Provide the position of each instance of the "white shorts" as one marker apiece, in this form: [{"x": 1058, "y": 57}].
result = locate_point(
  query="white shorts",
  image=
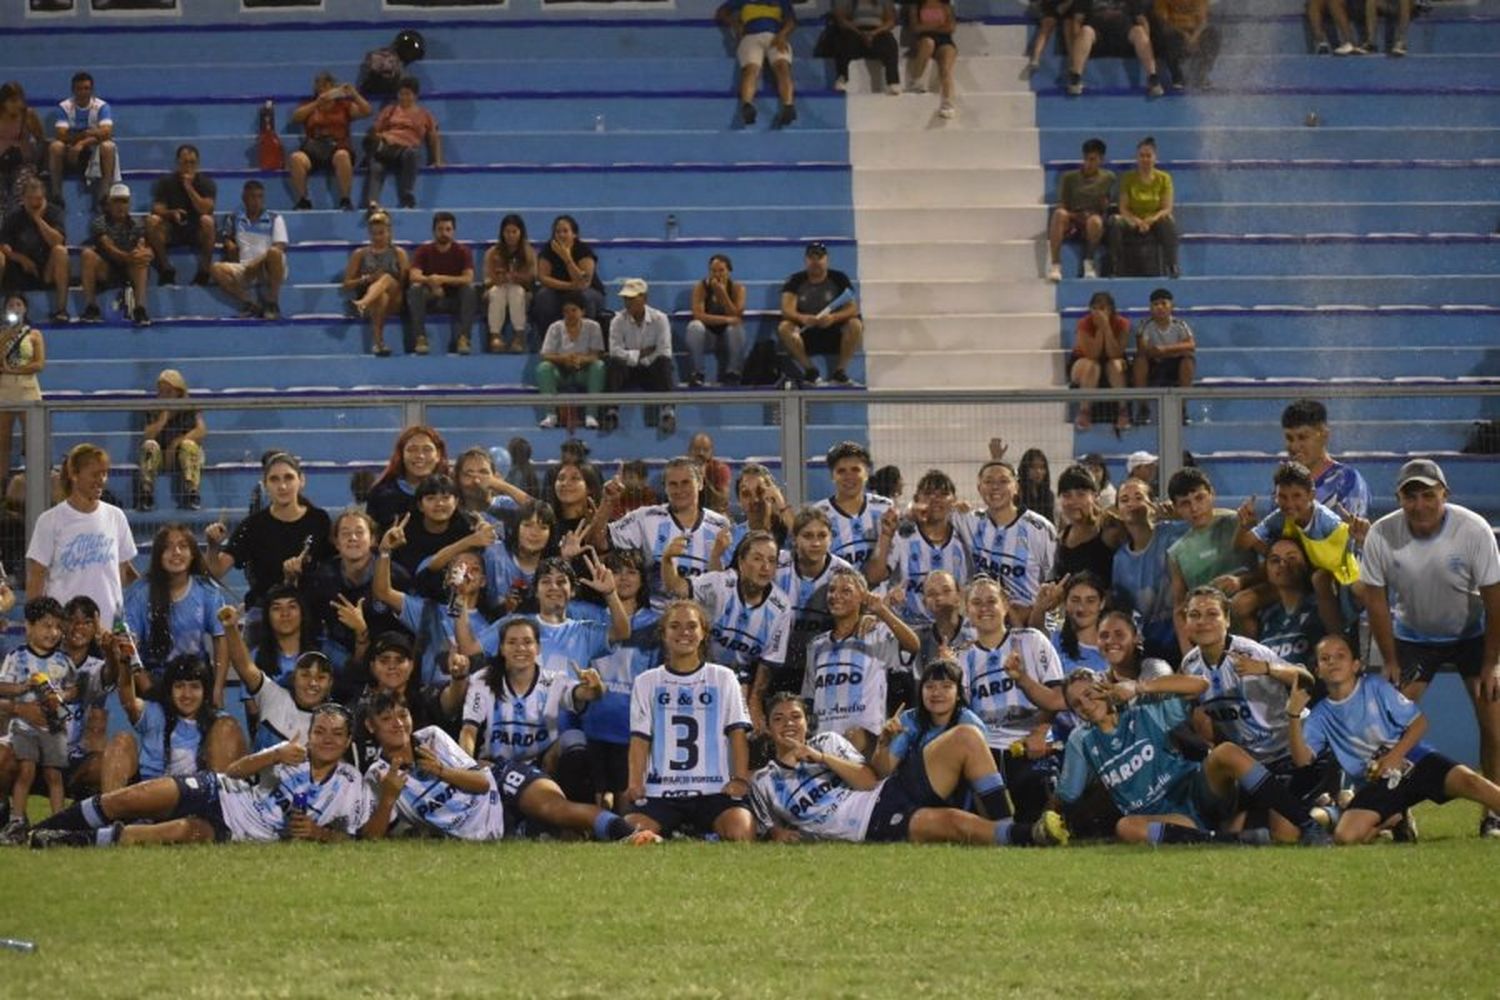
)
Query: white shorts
[
  {"x": 246, "y": 275},
  {"x": 754, "y": 49}
]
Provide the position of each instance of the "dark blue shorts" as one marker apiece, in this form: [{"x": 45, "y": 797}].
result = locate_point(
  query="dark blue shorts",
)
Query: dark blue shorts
[
  {"x": 1423, "y": 783},
  {"x": 891, "y": 818},
  {"x": 911, "y": 775},
  {"x": 1422, "y": 661},
  {"x": 198, "y": 798},
  {"x": 696, "y": 812},
  {"x": 513, "y": 780}
]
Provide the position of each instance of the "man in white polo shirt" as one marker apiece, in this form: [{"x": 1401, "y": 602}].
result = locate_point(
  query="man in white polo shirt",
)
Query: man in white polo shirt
[
  {"x": 1430, "y": 578},
  {"x": 254, "y": 254},
  {"x": 640, "y": 353}
]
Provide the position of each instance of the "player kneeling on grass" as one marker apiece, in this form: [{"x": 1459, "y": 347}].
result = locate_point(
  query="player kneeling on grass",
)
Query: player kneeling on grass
[
  {"x": 1376, "y": 735},
  {"x": 425, "y": 781},
  {"x": 297, "y": 792},
  {"x": 1164, "y": 798},
  {"x": 822, "y": 788}
]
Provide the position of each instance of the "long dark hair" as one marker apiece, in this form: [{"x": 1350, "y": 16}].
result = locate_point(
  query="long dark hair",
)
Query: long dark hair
[
  {"x": 506, "y": 257},
  {"x": 395, "y": 468},
  {"x": 1069, "y": 633},
  {"x": 1036, "y": 497},
  {"x": 944, "y": 670},
  {"x": 494, "y": 675},
  {"x": 186, "y": 668},
  {"x": 158, "y": 644},
  {"x": 267, "y": 651}
]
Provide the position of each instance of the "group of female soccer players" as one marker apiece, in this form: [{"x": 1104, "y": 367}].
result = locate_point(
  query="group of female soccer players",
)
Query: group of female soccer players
[{"x": 500, "y": 665}]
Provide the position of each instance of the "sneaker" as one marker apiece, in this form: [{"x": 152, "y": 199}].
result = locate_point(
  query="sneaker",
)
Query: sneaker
[
  {"x": 1367, "y": 49},
  {"x": 839, "y": 377},
  {"x": 419, "y": 346},
  {"x": 548, "y": 422},
  {"x": 250, "y": 310},
  {"x": 271, "y": 311},
  {"x": 667, "y": 422},
  {"x": 1398, "y": 50},
  {"x": 166, "y": 276},
  {"x": 591, "y": 422},
  {"x": 916, "y": 87},
  {"x": 785, "y": 116},
  {"x": 1031, "y": 67},
  {"x": 1346, "y": 49},
  {"x": 894, "y": 89},
  {"x": 58, "y": 317},
  {"x": 140, "y": 317},
  {"x": 1405, "y": 832},
  {"x": 41, "y": 840},
  {"x": 146, "y": 499},
  {"x": 1489, "y": 827},
  {"x": 1089, "y": 270},
  {"x": 91, "y": 314},
  {"x": 696, "y": 380},
  {"x": 14, "y": 832},
  {"x": 810, "y": 376},
  {"x": 1054, "y": 273},
  {"x": 1315, "y": 836},
  {"x": 462, "y": 347},
  {"x": 642, "y": 838},
  {"x": 841, "y": 85},
  {"x": 1050, "y": 830},
  {"x": 1322, "y": 49},
  {"x": 345, "y": 205},
  {"x": 747, "y": 113},
  {"x": 192, "y": 499},
  {"x": 1153, "y": 86},
  {"x": 303, "y": 204},
  {"x": 201, "y": 278},
  {"x": 1075, "y": 84},
  {"x": 946, "y": 110}
]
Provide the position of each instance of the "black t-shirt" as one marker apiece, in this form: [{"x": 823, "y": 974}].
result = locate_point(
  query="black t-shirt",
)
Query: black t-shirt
[
  {"x": 20, "y": 233},
  {"x": 179, "y": 422},
  {"x": 1093, "y": 555},
  {"x": 812, "y": 297},
  {"x": 169, "y": 191},
  {"x": 421, "y": 543},
  {"x": 581, "y": 252},
  {"x": 262, "y": 543},
  {"x": 388, "y": 501},
  {"x": 326, "y": 581}
]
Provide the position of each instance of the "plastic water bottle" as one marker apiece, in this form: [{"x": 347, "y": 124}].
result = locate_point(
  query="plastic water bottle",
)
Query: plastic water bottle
[
  {"x": 1312, "y": 120},
  {"x": 598, "y": 123},
  {"x": 16, "y": 944},
  {"x": 672, "y": 226}
]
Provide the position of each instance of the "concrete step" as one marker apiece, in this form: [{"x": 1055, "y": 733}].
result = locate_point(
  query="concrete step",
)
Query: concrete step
[
  {"x": 997, "y": 74},
  {"x": 958, "y": 188},
  {"x": 972, "y": 261},
  {"x": 1019, "y": 147},
  {"x": 955, "y": 298},
  {"x": 977, "y": 111},
  {"x": 964, "y": 369},
  {"x": 1014, "y": 222},
  {"x": 1006, "y": 331}
]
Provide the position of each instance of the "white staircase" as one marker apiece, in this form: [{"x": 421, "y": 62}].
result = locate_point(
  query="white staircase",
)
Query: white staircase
[{"x": 950, "y": 219}]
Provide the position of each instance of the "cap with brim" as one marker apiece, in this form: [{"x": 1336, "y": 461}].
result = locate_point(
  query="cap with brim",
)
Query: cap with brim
[
  {"x": 1161, "y": 293},
  {"x": 816, "y": 249},
  {"x": 314, "y": 660},
  {"x": 387, "y": 641},
  {"x": 1138, "y": 459},
  {"x": 633, "y": 288},
  {"x": 1421, "y": 470},
  {"x": 119, "y": 191}
]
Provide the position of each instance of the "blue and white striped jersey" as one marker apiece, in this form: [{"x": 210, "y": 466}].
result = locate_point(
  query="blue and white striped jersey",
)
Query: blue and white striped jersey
[
  {"x": 23, "y": 663},
  {"x": 809, "y": 597},
  {"x": 743, "y": 635},
  {"x": 436, "y": 805},
  {"x": 997, "y": 699},
  {"x": 1249, "y": 711},
  {"x": 854, "y": 536},
  {"x": 517, "y": 726},
  {"x": 687, "y": 718},
  {"x": 651, "y": 528},
  {"x": 1019, "y": 554},
  {"x": 913, "y": 556},
  {"x": 812, "y": 798},
  {"x": 845, "y": 680},
  {"x": 608, "y": 719},
  {"x": 259, "y": 810}
]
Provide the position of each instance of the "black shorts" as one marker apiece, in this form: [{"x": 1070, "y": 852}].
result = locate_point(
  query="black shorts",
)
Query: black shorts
[
  {"x": 938, "y": 40},
  {"x": 1166, "y": 372},
  {"x": 513, "y": 780},
  {"x": 16, "y": 280},
  {"x": 609, "y": 767},
  {"x": 911, "y": 775},
  {"x": 1307, "y": 784},
  {"x": 1112, "y": 35},
  {"x": 198, "y": 798},
  {"x": 816, "y": 340},
  {"x": 1422, "y": 661},
  {"x": 695, "y": 812},
  {"x": 320, "y": 150},
  {"x": 184, "y": 235},
  {"x": 891, "y": 817},
  {"x": 1423, "y": 783}
]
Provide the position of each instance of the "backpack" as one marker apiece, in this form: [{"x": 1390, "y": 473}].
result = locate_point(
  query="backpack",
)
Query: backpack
[
  {"x": 1484, "y": 438},
  {"x": 765, "y": 365},
  {"x": 380, "y": 73}
]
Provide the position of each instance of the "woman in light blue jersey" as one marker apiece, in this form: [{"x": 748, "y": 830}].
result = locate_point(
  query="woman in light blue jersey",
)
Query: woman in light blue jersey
[{"x": 175, "y": 733}]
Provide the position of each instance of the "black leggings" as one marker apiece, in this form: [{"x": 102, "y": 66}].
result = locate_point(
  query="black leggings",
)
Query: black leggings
[{"x": 851, "y": 45}]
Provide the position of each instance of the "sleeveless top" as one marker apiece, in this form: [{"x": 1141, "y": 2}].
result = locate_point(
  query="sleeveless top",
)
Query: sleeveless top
[{"x": 380, "y": 262}]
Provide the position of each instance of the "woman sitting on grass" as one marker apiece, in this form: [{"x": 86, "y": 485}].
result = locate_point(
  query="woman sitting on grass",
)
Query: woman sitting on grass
[{"x": 176, "y": 733}]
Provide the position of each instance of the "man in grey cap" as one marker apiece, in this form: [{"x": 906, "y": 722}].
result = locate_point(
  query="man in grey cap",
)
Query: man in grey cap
[
  {"x": 640, "y": 353},
  {"x": 1430, "y": 579},
  {"x": 117, "y": 254}
]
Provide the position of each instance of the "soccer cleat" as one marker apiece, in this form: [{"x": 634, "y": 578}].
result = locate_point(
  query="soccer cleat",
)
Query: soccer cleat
[
  {"x": 642, "y": 838},
  {"x": 1489, "y": 827},
  {"x": 1050, "y": 830},
  {"x": 42, "y": 839},
  {"x": 1315, "y": 836},
  {"x": 91, "y": 314},
  {"x": 548, "y": 422},
  {"x": 1054, "y": 273}
]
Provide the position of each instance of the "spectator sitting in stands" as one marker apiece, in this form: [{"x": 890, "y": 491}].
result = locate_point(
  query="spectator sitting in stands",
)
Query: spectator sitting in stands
[
  {"x": 572, "y": 357},
  {"x": 566, "y": 264},
  {"x": 763, "y": 29},
  {"x": 395, "y": 142},
  {"x": 1095, "y": 463},
  {"x": 866, "y": 29},
  {"x": 1083, "y": 198},
  {"x": 509, "y": 274},
  {"x": 1340, "y": 13},
  {"x": 117, "y": 257},
  {"x": 1142, "y": 465},
  {"x": 1145, "y": 217},
  {"x": 34, "y": 249},
  {"x": 1180, "y": 30},
  {"x": 640, "y": 353},
  {"x": 809, "y": 327},
  {"x": 376, "y": 277},
  {"x": 182, "y": 214},
  {"x": 254, "y": 253},
  {"x": 1165, "y": 351},
  {"x": 21, "y": 141},
  {"x": 442, "y": 280},
  {"x": 419, "y": 451},
  {"x": 173, "y": 438},
  {"x": 1117, "y": 27},
  {"x": 931, "y": 24},
  {"x": 1099, "y": 342},
  {"x": 325, "y": 143},
  {"x": 84, "y": 140},
  {"x": 23, "y": 354},
  {"x": 887, "y": 481},
  {"x": 1050, "y": 13},
  {"x": 1402, "y": 12},
  {"x": 718, "y": 308}
]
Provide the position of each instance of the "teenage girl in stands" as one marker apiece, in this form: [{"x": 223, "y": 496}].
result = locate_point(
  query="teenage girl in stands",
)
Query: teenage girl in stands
[
  {"x": 174, "y": 610},
  {"x": 376, "y": 280},
  {"x": 509, "y": 274},
  {"x": 419, "y": 452},
  {"x": 931, "y": 24}
]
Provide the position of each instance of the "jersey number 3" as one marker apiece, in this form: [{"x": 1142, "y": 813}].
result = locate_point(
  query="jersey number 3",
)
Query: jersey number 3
[{"x": 686, "y": 739}]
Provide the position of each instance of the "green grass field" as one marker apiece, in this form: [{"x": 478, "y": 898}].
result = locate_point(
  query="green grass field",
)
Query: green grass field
[{"x": 710, "y": 920}]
